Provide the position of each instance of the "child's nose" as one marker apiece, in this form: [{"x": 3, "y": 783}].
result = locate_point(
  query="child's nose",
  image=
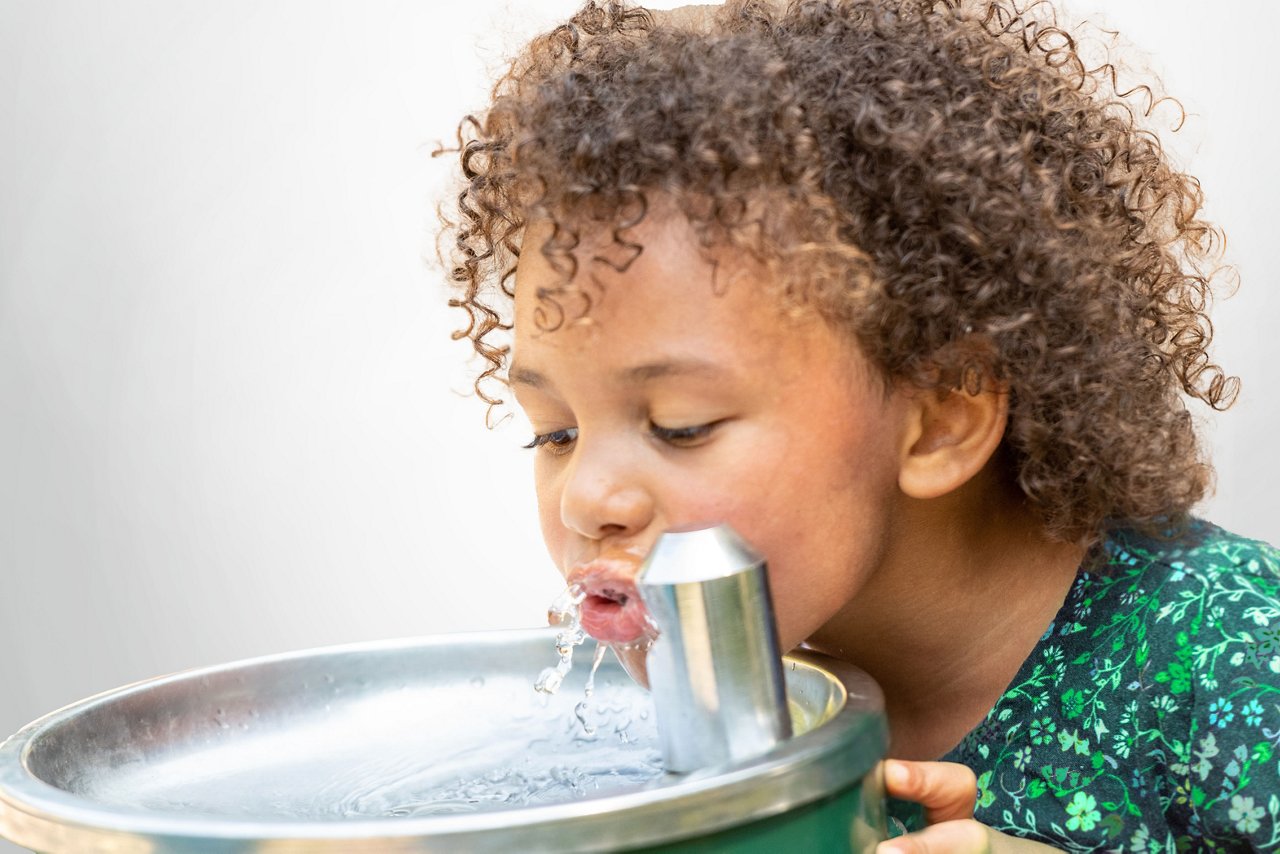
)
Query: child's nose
[{"x": 602, "y": 497}]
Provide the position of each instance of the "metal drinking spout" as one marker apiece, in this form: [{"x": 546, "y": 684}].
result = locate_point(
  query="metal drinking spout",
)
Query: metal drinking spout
[{"x": 715, "y": 671}]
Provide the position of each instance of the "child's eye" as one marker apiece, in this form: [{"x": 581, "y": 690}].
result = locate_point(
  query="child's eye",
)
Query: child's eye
[
  {"x": 683, "y": 437},
  {"x": 557, "y": 441}
]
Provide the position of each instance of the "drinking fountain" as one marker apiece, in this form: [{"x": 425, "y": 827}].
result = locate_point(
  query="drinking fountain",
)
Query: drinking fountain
[{"x": 441, "y": 744}]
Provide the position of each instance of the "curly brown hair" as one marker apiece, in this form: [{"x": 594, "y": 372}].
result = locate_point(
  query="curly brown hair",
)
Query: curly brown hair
[{"x": 947, "y": 181}]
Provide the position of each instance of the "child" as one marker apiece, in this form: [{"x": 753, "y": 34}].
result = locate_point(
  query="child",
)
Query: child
[{"x": 902, "y": 291}]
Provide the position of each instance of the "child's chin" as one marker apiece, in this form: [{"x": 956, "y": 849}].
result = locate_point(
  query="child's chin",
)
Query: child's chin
[{"x": 633, "y": 661}]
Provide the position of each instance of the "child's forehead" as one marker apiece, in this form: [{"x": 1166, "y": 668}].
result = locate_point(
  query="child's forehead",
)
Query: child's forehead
[
  {"x": 595, "y": 225},
  {"x": 585, "y": 254},
  {"x": 560, "y": 257},
  {"x": 571, "y": 270},
  {"x": 672, "y": 304},
  {"x": 675, "y": 297}
]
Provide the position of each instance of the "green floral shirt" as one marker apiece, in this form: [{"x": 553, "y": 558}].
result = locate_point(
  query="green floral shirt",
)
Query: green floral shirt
[{"x": 1148, "y": 716}]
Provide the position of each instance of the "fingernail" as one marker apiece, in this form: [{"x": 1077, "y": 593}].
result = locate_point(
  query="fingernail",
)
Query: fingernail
[{"x": 895, "y": 774}]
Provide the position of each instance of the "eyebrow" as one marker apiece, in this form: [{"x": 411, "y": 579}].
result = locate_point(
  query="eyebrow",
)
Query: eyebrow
[
  {"x": 517, "y": 375},
  {"x": 673, "y": 367},
  {"x": 642, "y": 373}
]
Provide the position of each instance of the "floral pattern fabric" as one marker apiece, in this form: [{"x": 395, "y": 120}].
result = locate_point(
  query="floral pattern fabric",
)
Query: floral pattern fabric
[{"x": 1148, "y": 716}]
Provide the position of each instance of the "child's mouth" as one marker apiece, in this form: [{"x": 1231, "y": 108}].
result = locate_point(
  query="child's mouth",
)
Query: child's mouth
[
  {"x": 612, "y": 610},
  {"x": 610, "y": 616}
]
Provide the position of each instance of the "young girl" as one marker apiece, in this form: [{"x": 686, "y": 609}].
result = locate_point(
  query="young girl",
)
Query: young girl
[{"x": 903, "y": 292}]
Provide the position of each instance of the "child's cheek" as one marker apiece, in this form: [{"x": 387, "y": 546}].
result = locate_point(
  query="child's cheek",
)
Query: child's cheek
[{"x": 554, "y": 533}]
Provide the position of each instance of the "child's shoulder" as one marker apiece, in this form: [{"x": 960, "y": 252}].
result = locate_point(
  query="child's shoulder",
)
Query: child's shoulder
[
  {"x": 1204, "y": 553},
  {"x": 1148, "y": 712},
  {"x": 1204, "y": 578},
  {"x": 1177, "y": 588}
]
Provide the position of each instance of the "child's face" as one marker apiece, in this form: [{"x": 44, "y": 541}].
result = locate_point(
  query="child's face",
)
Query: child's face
[{"x": 670, "y": 405}]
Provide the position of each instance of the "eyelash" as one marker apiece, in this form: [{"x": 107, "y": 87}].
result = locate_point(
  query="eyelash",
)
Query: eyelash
[
  {"x": 561, "y": 441},
  {"x": 551, "y": 443},
  {"x": 678, "y": 436}
]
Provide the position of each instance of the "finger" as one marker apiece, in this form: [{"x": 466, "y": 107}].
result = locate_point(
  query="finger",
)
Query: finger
[
  {"x": 964, "y": 836},
  {"x": 946, "y": 790}
]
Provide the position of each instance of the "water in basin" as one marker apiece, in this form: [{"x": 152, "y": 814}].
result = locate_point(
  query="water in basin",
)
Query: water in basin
[{"x": 423, "y": 747}]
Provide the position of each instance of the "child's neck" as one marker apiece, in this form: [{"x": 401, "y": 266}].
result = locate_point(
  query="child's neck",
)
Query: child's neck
[{"x": 951, "y": 614}]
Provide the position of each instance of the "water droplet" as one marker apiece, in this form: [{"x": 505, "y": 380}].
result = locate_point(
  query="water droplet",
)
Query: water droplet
[
  {"x": 549, "y": 680},
  {"x": 566, "y": 613}
]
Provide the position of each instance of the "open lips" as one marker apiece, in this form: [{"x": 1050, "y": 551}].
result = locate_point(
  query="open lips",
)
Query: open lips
[{"x": 612, "y": 610}]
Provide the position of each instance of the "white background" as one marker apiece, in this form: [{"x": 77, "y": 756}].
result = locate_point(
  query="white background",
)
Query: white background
[{"x": 231, "y": 418}]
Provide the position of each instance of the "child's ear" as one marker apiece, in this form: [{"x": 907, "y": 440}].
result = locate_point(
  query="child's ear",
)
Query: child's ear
[{"x": 950, "y": 436}]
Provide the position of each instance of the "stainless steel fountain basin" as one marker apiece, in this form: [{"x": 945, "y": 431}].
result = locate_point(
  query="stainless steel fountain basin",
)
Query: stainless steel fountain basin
[{"x": 424, "y": 745}]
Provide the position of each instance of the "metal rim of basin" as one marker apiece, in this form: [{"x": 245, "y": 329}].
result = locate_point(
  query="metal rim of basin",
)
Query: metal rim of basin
[{"x": 835, "y": 755}]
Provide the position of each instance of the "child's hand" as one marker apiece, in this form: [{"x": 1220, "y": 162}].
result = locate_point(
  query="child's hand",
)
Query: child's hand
[{"x": 947, "y": 791}]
